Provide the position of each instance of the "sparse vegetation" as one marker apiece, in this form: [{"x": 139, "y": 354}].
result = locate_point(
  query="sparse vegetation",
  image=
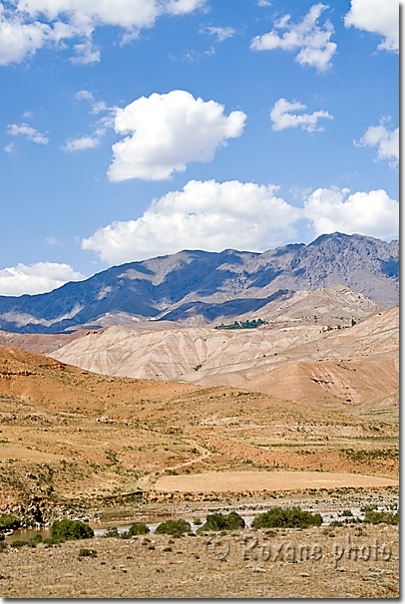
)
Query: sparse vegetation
[{"x": 243, "y": 324}]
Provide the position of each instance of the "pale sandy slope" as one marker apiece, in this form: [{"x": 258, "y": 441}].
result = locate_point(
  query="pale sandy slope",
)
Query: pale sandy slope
[{"x": 288, "y": 359}]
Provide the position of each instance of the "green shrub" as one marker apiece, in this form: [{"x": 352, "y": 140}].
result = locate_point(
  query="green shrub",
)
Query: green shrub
[
  {"x": 219, "y": 522},
  {"x": 347, "y": 513},
  {"x": 112, "y": 532},
  {"x": 294, "y": 517},
  {"x": 63, "y": 530},
  {"x": 373, "y": 517},
  {"x": 138, "y": 528},
  {"x": 8, "y": 523},
  {"x": 335, "y": 523},
  {"x": 84, "y": 552},
  {"x": 3, "y": 546},
  {"x": 197, "y": 521},
  {"x": 35, "y": 539},
  {"x": 177, "y": 528}
]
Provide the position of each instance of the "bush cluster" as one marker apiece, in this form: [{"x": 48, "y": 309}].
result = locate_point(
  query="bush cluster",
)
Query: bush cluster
[
  {"x": 8, "y": 523},
  {"x": 176, "y": 528},
  {"x": 373, "y": 517},
  {"x": 64, "y": 530},
  {"x": 137, "y": 528},
  {"x": 220, "y": 522},
  {"x": 293, "y": 517}
]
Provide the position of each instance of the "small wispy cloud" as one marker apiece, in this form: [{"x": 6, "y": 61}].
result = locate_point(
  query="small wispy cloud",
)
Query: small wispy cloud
[
  {"x": 221, "y": 33},
  {"x": 283, "y": 117},
  {"x": 28, "y": 132},
  {"x": 90, "y": 141}
]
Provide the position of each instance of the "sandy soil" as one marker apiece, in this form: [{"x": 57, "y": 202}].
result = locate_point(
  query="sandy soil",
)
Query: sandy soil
[{"x": 221, "y": 482}]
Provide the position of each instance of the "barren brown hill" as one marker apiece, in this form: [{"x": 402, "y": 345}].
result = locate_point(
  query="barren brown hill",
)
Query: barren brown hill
[
  {"x": 74, "y": 438},
  {"x": 294, "y": 356}
]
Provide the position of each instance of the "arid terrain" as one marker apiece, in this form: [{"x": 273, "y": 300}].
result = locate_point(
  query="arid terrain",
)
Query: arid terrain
[
  {"x": 289, "y": 412},
  {"x": 230, "y": 566}
]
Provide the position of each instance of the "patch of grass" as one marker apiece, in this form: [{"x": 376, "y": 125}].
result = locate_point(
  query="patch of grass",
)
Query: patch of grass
[
  {"x": 294, "y": 517},
  {"x": 220, "y": 522},
  {"x": 176, "y": 528},
  {"x": 18, "y": 543},
  {"x": 87, "y": 553}
]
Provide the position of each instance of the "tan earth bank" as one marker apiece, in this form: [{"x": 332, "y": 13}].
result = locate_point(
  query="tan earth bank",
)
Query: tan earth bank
[{"x": 316, "y": 421}]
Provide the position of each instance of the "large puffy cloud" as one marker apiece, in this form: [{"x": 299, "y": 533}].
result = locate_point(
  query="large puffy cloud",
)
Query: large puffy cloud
[
  {"x": 36, "y": 278},
  {"x": 374, "y": 213},
  {"x": 283, "y": 117},
  {"x": 204, "y": 215},
  {"x": 167, "y": 131},
  {"x": 311, "y": 39},
  {"x": 19, "y": 39},
  {"x": 27, "y": 25},
  {"x": 379, "y": 17},
  {"x": 386, "y": 141}
]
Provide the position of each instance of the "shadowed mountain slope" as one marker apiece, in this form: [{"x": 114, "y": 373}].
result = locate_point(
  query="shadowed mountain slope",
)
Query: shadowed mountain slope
[{"x": 206, "y": 285}]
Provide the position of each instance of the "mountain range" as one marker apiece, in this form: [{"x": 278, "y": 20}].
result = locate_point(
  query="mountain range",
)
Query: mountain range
[{"x": 195, "y": 287}]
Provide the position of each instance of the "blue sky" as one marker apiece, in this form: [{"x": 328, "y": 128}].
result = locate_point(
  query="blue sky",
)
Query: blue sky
[{"x": 136, "y": 128}]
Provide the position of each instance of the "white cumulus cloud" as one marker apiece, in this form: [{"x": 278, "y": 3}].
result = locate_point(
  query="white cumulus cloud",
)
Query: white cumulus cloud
[
  {"x": 36, "y": 279},
  {"x": 374, "y": 213},
  {"x": 165, "y": 132},
  {"x": 28, "y": 132},
  {"x": 307, "y": 36},
  {"x": 204, "y": 215},
  {"x": 379, "y": 17},
  {"x": 386, "y": 141},
  {"x": 27, "y": 25},
  {"x": 19, "y": 39},
  {"x": 283, "y": 117}
]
